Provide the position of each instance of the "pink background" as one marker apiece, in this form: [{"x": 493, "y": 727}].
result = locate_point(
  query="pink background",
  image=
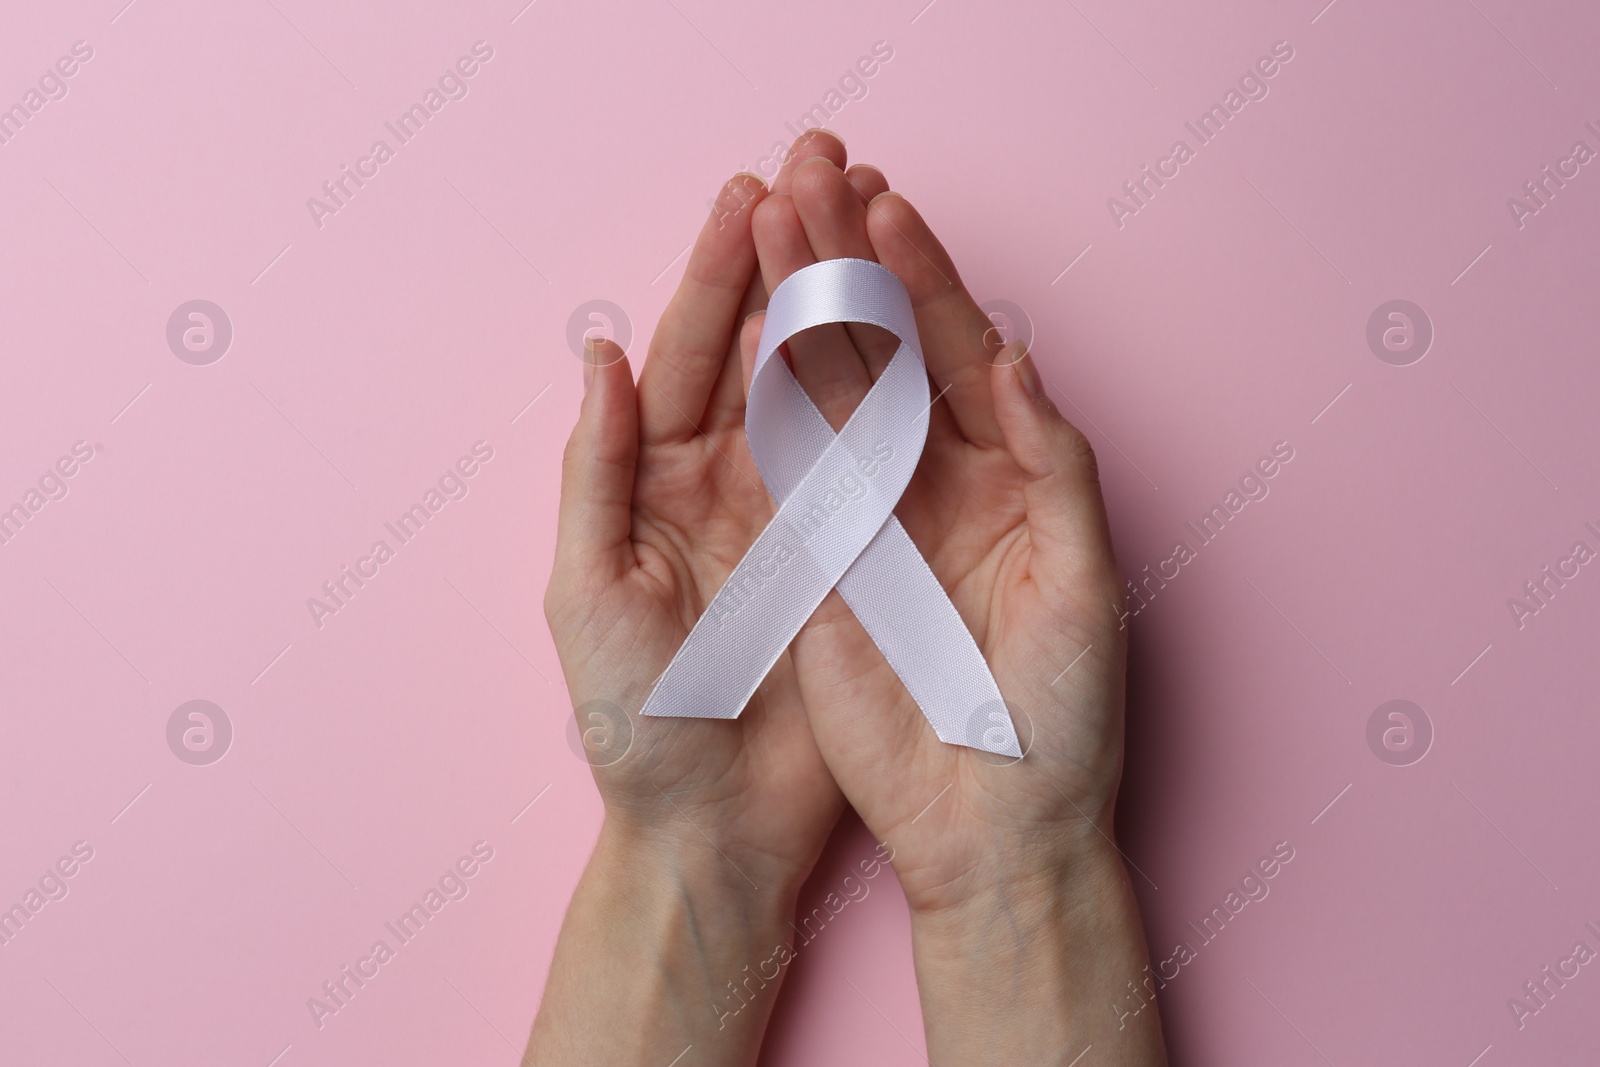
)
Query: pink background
[{"x": 368, "y": 354}]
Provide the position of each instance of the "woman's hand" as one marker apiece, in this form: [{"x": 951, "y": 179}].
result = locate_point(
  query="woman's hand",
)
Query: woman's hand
[
  {"x": 1005, "y": 506},
  {"x": 1009, "y": 866},
  {"x": 659, "y": 500},
  {"x": 673, "y": 937}
]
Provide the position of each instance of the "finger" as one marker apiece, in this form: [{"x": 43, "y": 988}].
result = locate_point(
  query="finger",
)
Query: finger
[
  {"x": 595, "y": 524},
  {"x": 958, "y": 339},
  {"x": 1069, "y": 537},
  {"x": 867, "y": 180},
  {"x": 835, "y": 220},
  {"x": 823, "y": 359},
  {"x": 726, "y": 406},
  {"x": 749, "y": 339},
  {"x": 693, "y": 340},
  {"x": 806, "y": 147}
]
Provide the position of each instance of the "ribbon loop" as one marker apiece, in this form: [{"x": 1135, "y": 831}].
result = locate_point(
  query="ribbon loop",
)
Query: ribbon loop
[{"x": 835, "y": 528}]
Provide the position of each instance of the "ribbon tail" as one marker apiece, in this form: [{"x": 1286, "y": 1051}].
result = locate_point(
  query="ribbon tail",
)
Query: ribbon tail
[{"x": 911, "y": 619}]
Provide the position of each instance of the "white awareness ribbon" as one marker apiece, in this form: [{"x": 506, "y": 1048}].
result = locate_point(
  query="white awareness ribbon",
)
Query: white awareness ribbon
[{"x": 835, "y": 529}]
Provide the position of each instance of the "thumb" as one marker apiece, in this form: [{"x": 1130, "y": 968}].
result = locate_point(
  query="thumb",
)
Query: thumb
[
  {"x": 1068, "y": 533},
  {"x": 596, "y": 517}
]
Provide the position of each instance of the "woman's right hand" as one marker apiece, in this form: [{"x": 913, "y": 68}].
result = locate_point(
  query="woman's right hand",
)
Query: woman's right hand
[
  {"x": 678, "y": 927},
  {"x": 659, "y": 500}
]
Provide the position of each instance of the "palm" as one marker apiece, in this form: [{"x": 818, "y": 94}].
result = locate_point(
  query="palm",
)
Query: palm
[{"x": 698, "y": 505}]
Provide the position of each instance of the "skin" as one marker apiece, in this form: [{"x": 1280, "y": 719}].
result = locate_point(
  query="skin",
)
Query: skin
[{"x": 1024, "y": 925}]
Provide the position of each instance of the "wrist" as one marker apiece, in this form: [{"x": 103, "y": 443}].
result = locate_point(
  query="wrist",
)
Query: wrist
[
  {"x": 1057, "y": 887},
  {"x": 1035, "y": 968},
  {"x": 1032, "y": 864},
  {"x": 716, "y": 915},
  {"x": 707, "y": 869},
  {"x": 670, "y": 938}
]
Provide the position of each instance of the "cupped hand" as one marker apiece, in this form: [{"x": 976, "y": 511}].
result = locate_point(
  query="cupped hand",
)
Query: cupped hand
[
  {"x": 1006, "y": 508},
  {"x": 660, "y": 498}
]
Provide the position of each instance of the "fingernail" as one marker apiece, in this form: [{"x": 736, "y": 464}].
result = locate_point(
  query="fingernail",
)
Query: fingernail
[
  {"x": 742, "y": 188},
  {"x": 736, "y": 193},
  {"x": 1027, "y": 373},
  {"x": 816, "y": 131}
]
